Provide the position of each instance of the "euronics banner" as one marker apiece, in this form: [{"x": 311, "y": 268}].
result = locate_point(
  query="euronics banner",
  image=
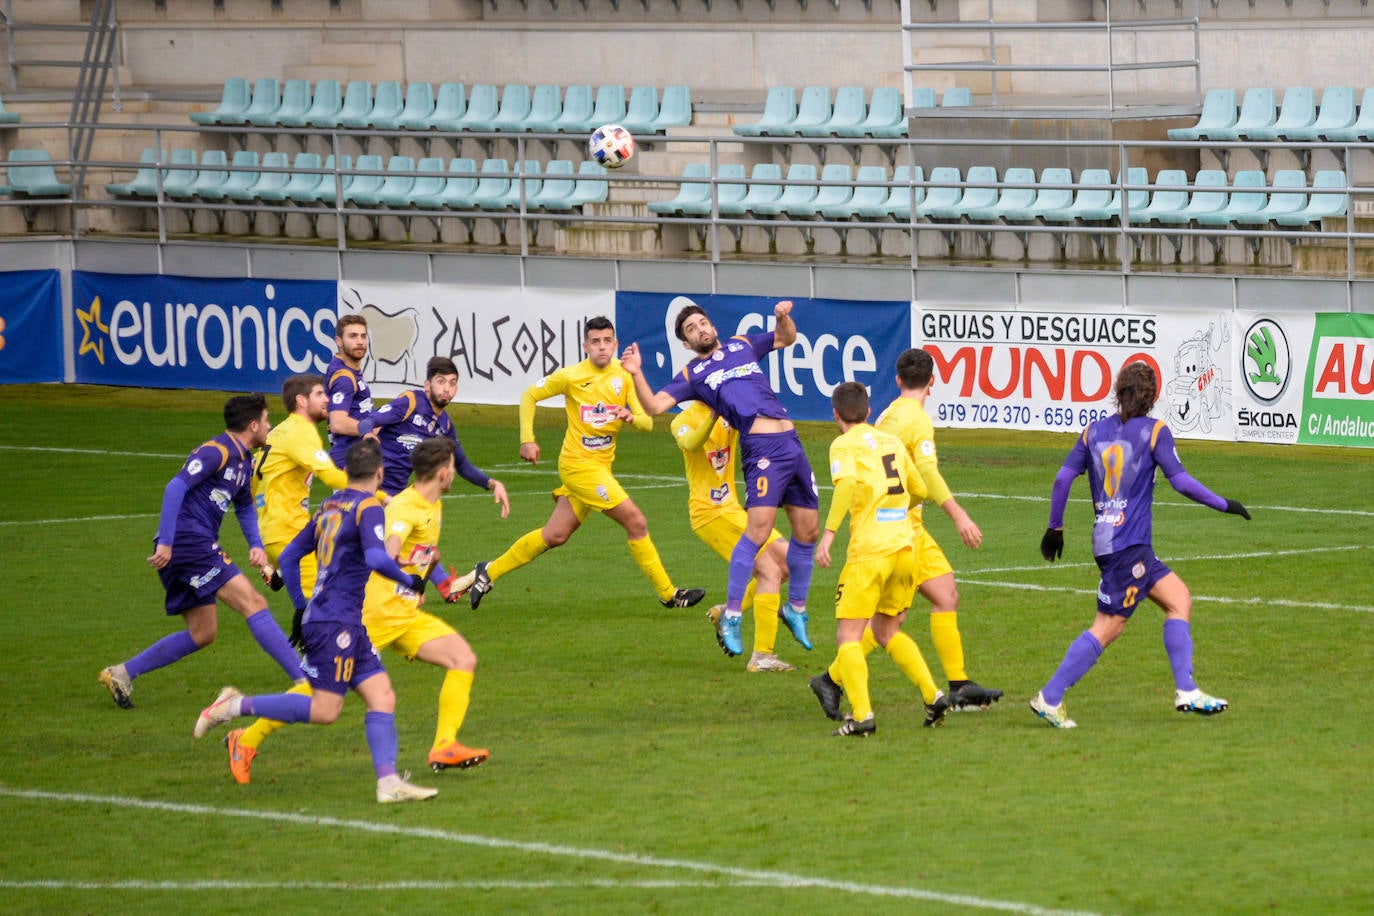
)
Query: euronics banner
[
  {"x": 837, "y": 341},
  {"x": 31, "y": 326},
  {"x": 503, "y": 339},
  {"x": 184, "y": 332}
]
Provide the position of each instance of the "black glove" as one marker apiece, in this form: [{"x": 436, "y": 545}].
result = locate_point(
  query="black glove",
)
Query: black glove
[
  {"x": 1052, "y": 544},
  {"x": 275, "y": 583},
  {"x": 297, "y": 641},
  {"x": 1235, "y": 508},
  {"x": 417, "y": 584}
]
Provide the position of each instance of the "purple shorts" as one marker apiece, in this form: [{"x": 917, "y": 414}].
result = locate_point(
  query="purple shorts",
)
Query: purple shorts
[
  {"x": 338, "y": 656},
  {"x": 777, "y": 472},
  {"x": 1127, "y": 578},
  {"x": 192, "y": 581}
]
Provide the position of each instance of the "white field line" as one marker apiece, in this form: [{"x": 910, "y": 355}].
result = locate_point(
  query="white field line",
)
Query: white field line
[
  {"x": 1257, "y": 554},
  {"x": 476, "y": 885},
  {"x": 549, "y": 850},
  {"x": 1210, "y": 599},
  {"x": 1174, "y": 504}
]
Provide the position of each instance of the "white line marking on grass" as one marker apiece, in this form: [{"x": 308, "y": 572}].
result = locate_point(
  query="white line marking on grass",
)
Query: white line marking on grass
[
  {"x": 1257, "y": 554},
  {"x": 88, "y": 451},
  {"x": 770, "y": 878},
  {"x": 82, "y": 520},
  {"x": 1214, "y": 599},
  {"x": 208, "y": 885},
  {"x": 1175, "y": 504}
]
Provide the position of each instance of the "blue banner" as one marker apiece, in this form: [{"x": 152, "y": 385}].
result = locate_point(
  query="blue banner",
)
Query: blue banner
[
  {"x": 838, "y": 341},
  {"x": 188, "y": 332},
  {"x": 31, "y": 326}
]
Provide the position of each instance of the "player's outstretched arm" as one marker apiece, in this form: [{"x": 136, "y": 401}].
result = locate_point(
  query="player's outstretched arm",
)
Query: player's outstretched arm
[
  {"x": 784, "y": 328},
  {"x": 654, "y": 403}
]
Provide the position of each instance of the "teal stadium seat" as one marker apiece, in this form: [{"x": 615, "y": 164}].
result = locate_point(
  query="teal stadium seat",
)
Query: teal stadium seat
[
  {"x": 847, "y": 113},
  {"x": 836, "y": 191},
  {"x": 1256, "y": 112},
  {"x": 325, "y": 104},
  {"x": 1170, "y": 195},
  {"x": 271, "y": 186},
  {"x": 576, "y": 116},
  {"x": 730, "y": 190},
  {"x": 357, "y": 104},
  {"x": 367, "y": 190},
  {"x": 144, "y": 181},
  {"x": 675, "y": 109},
  {"x": 907, "y": 191},
  {"x": 1362, "y": 129},
  {"x": 970, "y": 199},
  {"x": 1298, "y": 112},
  {"x": 1012, "y": 204},
  {"x": 334, "y": 187},
  {"x": 865, "y": 200},
  {"x": 367, "y": 184},
  {"x": 557, "y": 189},
  {"x": 920, "y": 98},
  {"x": 1319, "y": 205},
  {"x": 425, "y": 185},
  {"x": 213, "y": 172},
  {"x": 1091, "y": 203},
  {"x": 36, "y": 178},
  {"x": 689, "y": 191},
  {"x": 1203, "y": 200},
  {"x": 1240, "y": 203},
  {"x": 484, "y": 103},
  {"x": 812, "y": 111},
  {"x": 242, "y": 173},
  {"x": 779, "y": 109},
  {"x": 303, "y": 184},
  {"x": 757, "y": 193},
  {"x": 1218, "y": 112},
  {"x": 182, "y": 177},
  {"x": 885, "y": 118},
  {"x": 1136, "y": 200},
  {"x": 592, "y": 186},
  {"x": 458, "y": 190},
  {"x": 1288, "y": 195},
  {"x": 514, "y": 109},
  {"x": 956, "y": 97},
  {"x": 234, "y": 100},
  {"x": 609, "y": 107},
  {"x": 528, "y": 183},
  {"x": 387, "y": 104},
  {"x": 450, "y": 104},
  {"x": 1048, "y": 198},
  {"x": 418, "y": 108},
  {"x": 6, "y": 116},
  {"x": 797, "y": 191},
  {"x": 545, "y": 107},
  {"x": 239, "y": 186},
  {"x": 295, "y": 102},
  {"x": 1337, "y": 112},
  {"x": 943, "y": 194},
  {"x": 263, "y": 108},
  {"x": 398, "y": 189},
  {"x": 641, "y": 110},
  {"x": 494, "y": 182}
]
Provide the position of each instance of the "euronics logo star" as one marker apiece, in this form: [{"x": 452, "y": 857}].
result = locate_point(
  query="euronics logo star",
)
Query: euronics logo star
[{"x": 87, "y": 319}]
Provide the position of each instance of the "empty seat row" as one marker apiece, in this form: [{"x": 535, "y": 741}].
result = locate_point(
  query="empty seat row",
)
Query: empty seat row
[
  {"x": 1298, "y": 119},
  {"x": 545, "y": 109},
  {"x": 1054, "y": 198},
  {"x": 881, "y": 117},
  {"x": 427, "y": 184}
]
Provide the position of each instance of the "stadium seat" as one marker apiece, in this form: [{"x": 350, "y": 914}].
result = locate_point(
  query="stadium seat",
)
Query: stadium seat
[
  {"x": 795, "y": 192},
  {"x": 304, "y": 185},
  {"x": 1169, "y": 197},
  {"x": 1288, "y": 195},
  {"x": 1337, "y": 111},
  {"x": 867, "y": 199},
  {"x": 1298, "y": 112},
  {"x": 957, "y": 97},
  {"x": 943, "y": 194},
  {"x": 592, "y": 187},
  {"x": 351, "y": 178},
  {"x": 213, "y": 172},
  {"x": 450, "y": 103},
  {"x": 387, "y": 105},
  {"x": 1136, "y": 200},
  {"x": 295, "y": 102},
  {"x": 920, "y": 97},
  {"x": 1256, "y": 112},
  {"x": 837, "y": 192},
  {"x": 546, "y": 105},
  {"x": 1218, "y": 112},
  {"x": 576, "y": 116},
  {"x": 907, "y": 191},
  {"x": 1319, "y": 205},
  {"x": 847, "y": 114},
  {"x": 234, "y": 100},
  {"x": 483, "y": 104},
  {"x": 1240, "y": 203},
  {"x": 398, "y": 189},
  {"x": 425, "y": 185},
  {"x": 458, "y": 190},
  {"x": 1091, "y": 203},
  {"x": 332, "y": 184},
  {"x": 609, "y": 107},
  {"x": 675, "y": 109},
  {"x": 556, "y": 192},
  {"x": 144, "y": 182},
  {"x": 885, "y": 118},
  {"x": 357, "y": 106},
  {"x": 1203, "y": 200},
  {"x": 241, "y": 185},
  {"x": 1047, "y": 198},
  {"x": 325, "y": 105},
  {"x": 418, "y": 108},
  {"x": 175, "y": 181},
  {"x": 37, "y": 178},
  {"x": 264, "y": 106},
  {"x": 494, "y": 182},
  {"x": 367, "y": 190},
  {"x": 970, "y": 198},
  {"x": 527, "y": 184},
  {"x": 730, "y": 190},
  {"x": 1363, "y": 126},
  {"x": 271, "y": 186},
  {"x": 243, "y": 172},
  {"x": 1012, "y": 204},
  {"x": 6, "y": 116},
  {"x": 511, "y": 115},
  {"x": 757, "y": 193},
  {"x": 688, "y": 192},
  {"x": 779, "y": 109},
  {"x": 641, "y": 110},
  {"x": 812, "y": 111}
]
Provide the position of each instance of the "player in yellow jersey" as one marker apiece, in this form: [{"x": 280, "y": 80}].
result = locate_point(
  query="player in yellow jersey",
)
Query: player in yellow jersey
[
  {"x": 392, "y": 615},
  {"x": 875, "y": 485},
  {"x": 710, "y": 454},
  {"x": 906, "y": 418},
  {"x": 288, "y": 463},
  {"x": 599, "y": 397}
]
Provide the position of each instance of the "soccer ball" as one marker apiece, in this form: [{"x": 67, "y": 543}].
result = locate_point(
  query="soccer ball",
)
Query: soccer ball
[{"x": 611, "y": 145}]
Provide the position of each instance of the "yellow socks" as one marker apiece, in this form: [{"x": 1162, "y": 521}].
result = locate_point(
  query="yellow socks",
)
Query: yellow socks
[
  {"x": 646, "y": 558},
  {"x": 254, "y": 734},
  {"x": 765, "y": 621},
  {"x": 944, "y": 633},
  {"x": 523, "y": 551},
  {"x": 453, "y": 706},
  {"x": 869, "y": 642},
  {"x": 903, "y": 650},
  {"x": 854, "y": 670}
]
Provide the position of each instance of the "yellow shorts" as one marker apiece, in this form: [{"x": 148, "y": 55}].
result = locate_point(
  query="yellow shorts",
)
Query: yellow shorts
[
  {"x": 309, "y": 569},
  {"x": 723, "y": 532},
  {"x": 884, "y": 585},
  {"x": 931, "y": 562},
  {"x": 405, "y": 635},
  {"x": 592, "y": 489}
]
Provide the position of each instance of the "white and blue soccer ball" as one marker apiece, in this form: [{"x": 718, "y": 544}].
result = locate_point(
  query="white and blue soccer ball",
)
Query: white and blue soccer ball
[{"x": 611, "y": 145}]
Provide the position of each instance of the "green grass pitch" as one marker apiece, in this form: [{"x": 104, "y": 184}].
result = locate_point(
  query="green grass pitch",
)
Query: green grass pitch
[{"x": 636, "y": 769}]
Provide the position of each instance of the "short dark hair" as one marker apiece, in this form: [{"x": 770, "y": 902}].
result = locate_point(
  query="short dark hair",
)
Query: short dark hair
[
  {"x": 599, "y": 323},
  {"x": 346, "y": 320},
  {"x": 242, "y": 409},
  {"x": 296, "y": 386},
  {"x": 915, "y": 368},
  {"x": 430, "y": 456},
  {"x": 362, "y": 459},
  {"x": 1137, "y": 387},
  {"x": 439, "y": 365},
  {"x": 687, "y": 312},
  {"x": 850, "y": 400}
]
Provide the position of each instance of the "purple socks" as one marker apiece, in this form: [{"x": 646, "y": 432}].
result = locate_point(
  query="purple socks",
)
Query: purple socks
[
  {"x": 1082, "y": 655},
  {"x": 800, "y": 562},
  {"x": 281, "y": 707},
  {"x": 381, "y": 740},
  {"x": 160, "y": 654},
  {"x": 741, "y": 571},
  {"x": 1178, "y": 642},
  {"x": 268, "y": 633}
]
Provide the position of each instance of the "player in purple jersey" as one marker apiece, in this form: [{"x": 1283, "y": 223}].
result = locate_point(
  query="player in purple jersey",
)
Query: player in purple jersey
[
  {"x": 418, "y": 415},
  {"x": 349, "y": 397},
  {"x": 727, "y": 377},
  {"x": 1120, "y": 454},
  {"x": 194, "y": 571},
  {"x": 348, "y": 538}
]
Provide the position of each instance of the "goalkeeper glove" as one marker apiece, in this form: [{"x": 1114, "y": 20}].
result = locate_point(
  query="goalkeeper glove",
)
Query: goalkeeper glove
[
  {"x": 1235, "y": 508},
  {"x": 1052, "y": 544},
  {"x": 296, "y": 639},
  {"x": 449, "y": 589},
  {"x": 274, "y": 582},
  {"x": 417, "y": 584}
]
